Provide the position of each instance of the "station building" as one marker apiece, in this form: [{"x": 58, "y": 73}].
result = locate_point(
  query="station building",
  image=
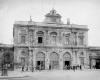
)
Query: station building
[{"x": 53, "y": 44}]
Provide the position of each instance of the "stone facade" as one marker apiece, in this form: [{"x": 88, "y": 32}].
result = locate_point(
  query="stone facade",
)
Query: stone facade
[{"x": 51, "y": 44}]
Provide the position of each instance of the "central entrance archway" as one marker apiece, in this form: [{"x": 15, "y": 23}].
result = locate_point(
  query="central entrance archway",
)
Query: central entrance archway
[
  {"x": 66, "y": 60},
  {"x": 54, "y": 61},
  {"x": 40, "y": 61}
]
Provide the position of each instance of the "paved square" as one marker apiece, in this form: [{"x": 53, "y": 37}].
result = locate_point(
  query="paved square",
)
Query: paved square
[{"x": 62, "y": 75}]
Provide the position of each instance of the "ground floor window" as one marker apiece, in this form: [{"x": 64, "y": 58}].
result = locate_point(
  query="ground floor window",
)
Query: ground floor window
[{"x": 81, "y": 60}]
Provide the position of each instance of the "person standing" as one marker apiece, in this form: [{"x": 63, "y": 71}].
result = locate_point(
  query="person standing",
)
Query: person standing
[{"x": 22, "y": 68}]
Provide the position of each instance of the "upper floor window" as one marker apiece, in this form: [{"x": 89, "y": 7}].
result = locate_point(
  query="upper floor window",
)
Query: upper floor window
[
  {"x": 40, "y": 40},
  {"x": 81, "y": 53},
  {"x": 81, "y": 38},
  {"x": 31, "y": 32},
  {"x": 40, "y": 35},
  {"x": 67, "y": 38},
  {"x": 23, "y": 31},
  {"x": 74, "y": 38},
  {"x": 53, "y": 36},
  {"x": 24, "y": 53},
  {"x": 23, "y": 39},
  {"x": 31, "y": 36}
]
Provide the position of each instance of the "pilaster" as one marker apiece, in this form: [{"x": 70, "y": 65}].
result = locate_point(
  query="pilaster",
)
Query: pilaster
[
  {"x": 47, "y": 61},
  {"x": 60, "y": 62}
]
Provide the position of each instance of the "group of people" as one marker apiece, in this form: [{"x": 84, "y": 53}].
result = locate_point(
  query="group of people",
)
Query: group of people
[
  {"x": 68, "y": 67},
  {"x": 24, "y": 68},
  {"x": 32, "y": 68}
]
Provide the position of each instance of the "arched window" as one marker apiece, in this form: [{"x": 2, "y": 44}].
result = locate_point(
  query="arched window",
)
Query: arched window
[
  {"x": 40, "y": 33},
  {"x": 40, "y": 56},
  {"x": 7, "y": 57},
  {"x": 24, "y": 53},
  {"x": 53, "y": 36},
  {"x": 54, "y": 57},
  {"x": 67, "y": 56},
  {"x": 23, "y": 38},
  {"x": 23, "y": 31}
]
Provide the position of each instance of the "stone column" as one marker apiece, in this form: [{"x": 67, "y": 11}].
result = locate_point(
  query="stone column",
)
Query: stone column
[
  {"x": 47, "y": 61},
  {"x": 34, "y": 59},
  {"x": 93, "y": 62},
  {"x": 74, "y": 58},
  {"x": 78, "y": 60},
  {"x": 60, "y": 62},
  {"x": 30, "y": 58},
  {"x": 85, "y": 60},
  {"x": 77, "y": 39},
  {"x": 47, "y": 38}
]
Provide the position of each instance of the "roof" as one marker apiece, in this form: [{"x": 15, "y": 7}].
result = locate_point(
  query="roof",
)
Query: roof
[
  {"x": 94, "y": 48},
  {"x": 6, "y": 45},
  {"x": 23, "y": 23},
  {"x": 52, "y": 22}
]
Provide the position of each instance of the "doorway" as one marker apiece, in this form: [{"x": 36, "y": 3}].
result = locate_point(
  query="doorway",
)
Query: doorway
[
  {"x": 97, "y": 66},
  {"x": 54, "y": 60},
  {"x": 40, "y": 65},
  {"x": 66, "y": 60},
  {"x": 40, "y": 61},
  {"x": 66, "y": 64}
]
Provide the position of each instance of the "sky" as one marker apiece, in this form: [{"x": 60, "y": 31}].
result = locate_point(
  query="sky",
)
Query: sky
[{"x": 82, "y": 12}]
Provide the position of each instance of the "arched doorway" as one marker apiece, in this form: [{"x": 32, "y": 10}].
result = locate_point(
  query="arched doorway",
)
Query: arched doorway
[
  {"x": 40, "y": 61},
  {"x": 66, "y": 60},
  {"x": 24, "y": 58},
  {"x": 81, "y": 56},
  {"x": 54, "y": 60},
  {"x": 7, "y": 59}
]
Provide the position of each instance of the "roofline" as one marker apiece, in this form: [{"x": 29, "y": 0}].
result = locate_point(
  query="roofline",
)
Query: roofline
[{"x": 43, "y": 24}]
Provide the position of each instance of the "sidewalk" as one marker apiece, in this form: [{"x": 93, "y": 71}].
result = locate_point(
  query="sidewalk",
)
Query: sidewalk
[
  {"x": 19, "y": 74},
  {"x": 16, "y": 74}
]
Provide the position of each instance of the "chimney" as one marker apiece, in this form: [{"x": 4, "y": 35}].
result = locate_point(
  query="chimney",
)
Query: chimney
[{"x": 68, "y": 21}]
